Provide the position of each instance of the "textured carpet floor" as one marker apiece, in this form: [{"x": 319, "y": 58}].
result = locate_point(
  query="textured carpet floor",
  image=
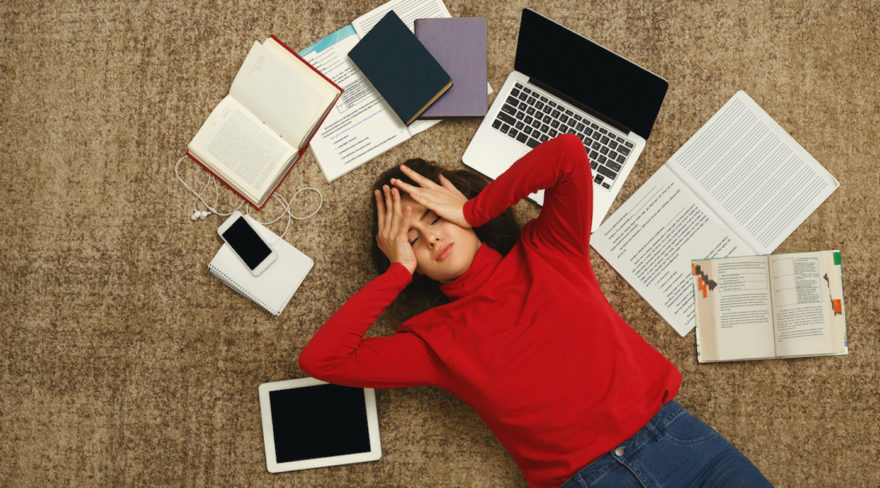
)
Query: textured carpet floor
[{"x": 125, "y": 363}]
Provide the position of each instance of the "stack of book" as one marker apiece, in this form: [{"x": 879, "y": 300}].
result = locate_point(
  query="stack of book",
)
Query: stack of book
[
  {"x": 401, "y": 75},
  {"x": 438, "y": 71}
]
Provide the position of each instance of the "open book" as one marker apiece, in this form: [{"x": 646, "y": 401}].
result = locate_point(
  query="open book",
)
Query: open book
[
  {"x": 775, "y": 306},
  {"x": 739, "y": 186},
  {"x": 256, "y": 133},
  {"x": 362, "y": 125}
]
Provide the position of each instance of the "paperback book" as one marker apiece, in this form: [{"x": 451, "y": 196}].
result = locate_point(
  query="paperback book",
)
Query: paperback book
[{"x": 774, "y": 306}]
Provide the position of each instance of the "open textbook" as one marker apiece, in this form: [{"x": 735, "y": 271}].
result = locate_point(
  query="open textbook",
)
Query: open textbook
[
  {"x": 362, "y": 125},
  {"x": 763, "y": 307},
  {"x": 739, "y": 186},
  {"x": 257, "y": 133}
]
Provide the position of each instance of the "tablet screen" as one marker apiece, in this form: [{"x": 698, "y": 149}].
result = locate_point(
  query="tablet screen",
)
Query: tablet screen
[{"x": 318, "y": 421}]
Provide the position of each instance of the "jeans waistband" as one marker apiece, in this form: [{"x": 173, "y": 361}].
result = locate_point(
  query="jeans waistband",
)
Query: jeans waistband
[
  {"x": 657, "y": 425},
  {"x": 655, "y": 429}
]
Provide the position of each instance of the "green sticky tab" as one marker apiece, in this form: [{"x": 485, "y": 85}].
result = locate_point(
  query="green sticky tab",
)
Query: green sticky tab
[{"x": 837, "y": 258}]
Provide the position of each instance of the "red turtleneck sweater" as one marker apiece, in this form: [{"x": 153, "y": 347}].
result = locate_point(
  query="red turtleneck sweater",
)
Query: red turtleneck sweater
[{"x": 528, "y": 340}]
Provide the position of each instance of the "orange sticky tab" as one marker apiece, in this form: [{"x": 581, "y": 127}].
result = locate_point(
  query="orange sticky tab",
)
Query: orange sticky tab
[
  {"x": 694, "y": 268},
  {"x": 838, "y": 305},
  {"x": 705, "y": 292},
  {"x": 700, "y": 282}
]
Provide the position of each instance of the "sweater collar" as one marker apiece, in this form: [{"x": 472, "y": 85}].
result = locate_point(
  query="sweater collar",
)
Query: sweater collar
[{"x": 484, "y": 264}]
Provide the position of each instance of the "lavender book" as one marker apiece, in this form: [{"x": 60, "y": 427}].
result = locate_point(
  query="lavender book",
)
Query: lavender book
[{"x": 459, "y": 45}]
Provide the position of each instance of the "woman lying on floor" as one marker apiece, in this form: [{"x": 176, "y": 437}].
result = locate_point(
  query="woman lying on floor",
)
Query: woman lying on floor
[{"x": 527, "y": 338}]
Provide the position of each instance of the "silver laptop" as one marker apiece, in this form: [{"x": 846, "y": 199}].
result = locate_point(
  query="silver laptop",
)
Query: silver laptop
[{"x": 565, "y": 83}]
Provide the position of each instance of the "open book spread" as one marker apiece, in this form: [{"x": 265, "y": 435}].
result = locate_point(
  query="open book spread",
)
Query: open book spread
[
  {"x": 739, "y": 186},
  {"x": 759, "y": 307},
  {"x": 256, "y": 133}
]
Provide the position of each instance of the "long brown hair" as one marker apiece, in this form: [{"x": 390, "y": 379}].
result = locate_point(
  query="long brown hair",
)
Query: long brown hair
[{"x": 500, "y": 233}]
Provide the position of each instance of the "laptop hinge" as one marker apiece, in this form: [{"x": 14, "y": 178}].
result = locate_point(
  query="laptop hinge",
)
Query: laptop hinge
[{"x": 608, "y": 120}]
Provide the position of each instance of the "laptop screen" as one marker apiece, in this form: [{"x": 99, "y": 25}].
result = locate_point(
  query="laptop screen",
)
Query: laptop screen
[{"x": 607, "y": 85}]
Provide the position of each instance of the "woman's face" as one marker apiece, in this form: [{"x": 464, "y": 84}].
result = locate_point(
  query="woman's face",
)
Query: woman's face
[{"x": 444, "y": 251}]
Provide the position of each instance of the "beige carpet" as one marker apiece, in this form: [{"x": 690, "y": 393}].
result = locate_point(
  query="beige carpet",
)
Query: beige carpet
[{"x": 125, "y": 363}]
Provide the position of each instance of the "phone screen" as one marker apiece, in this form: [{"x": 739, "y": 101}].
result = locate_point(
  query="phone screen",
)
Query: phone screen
[{"x": 246, "y": 243}]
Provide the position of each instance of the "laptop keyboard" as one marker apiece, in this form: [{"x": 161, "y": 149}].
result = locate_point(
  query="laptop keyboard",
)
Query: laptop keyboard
[{"x": 532, "y": 118}]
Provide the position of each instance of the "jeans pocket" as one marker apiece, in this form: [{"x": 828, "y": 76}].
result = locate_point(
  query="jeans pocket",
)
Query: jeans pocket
[{"x": 687, "y": 429}]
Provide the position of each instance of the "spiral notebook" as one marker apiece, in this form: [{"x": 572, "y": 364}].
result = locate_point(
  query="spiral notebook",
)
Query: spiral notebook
[{"x": 274, "y": 288}]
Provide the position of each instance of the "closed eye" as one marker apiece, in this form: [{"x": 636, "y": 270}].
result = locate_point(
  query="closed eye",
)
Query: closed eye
[{"x": 413, "y": 240}]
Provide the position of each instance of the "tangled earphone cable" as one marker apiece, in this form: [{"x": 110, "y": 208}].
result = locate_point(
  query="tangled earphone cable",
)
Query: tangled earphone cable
[{"x": 211, "y": 209}]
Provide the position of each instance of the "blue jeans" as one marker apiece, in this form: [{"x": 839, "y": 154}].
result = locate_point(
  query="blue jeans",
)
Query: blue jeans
[{"x": 674, "y": 449}]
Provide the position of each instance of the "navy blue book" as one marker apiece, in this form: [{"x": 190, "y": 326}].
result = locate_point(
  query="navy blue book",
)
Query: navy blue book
[{"x": 400, "y": 67}]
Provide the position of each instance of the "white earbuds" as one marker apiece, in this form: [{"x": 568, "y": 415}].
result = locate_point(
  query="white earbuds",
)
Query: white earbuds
[
  {"x": 199, "y": 215},
  {"x": 203, "y": 214}
]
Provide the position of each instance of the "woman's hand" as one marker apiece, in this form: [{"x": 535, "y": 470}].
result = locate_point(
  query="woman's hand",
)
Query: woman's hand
[
  {"x": 393, "y": 222},
  {"x": 444, "y": 199}
]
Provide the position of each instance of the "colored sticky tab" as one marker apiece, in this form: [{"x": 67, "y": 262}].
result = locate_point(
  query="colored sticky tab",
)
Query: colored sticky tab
[
  {"x": 838, "y": 305},
  {"x": 837, "y": 258},
  {"x": 700, "y": 282},
  {"x": 694, "y": 268},
  {"x": 705, "y": 292}
]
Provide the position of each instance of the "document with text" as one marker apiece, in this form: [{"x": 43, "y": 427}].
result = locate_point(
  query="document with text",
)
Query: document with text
[
  {"x": 362, "y": 125},
  {"x": 739, "y": 186}
]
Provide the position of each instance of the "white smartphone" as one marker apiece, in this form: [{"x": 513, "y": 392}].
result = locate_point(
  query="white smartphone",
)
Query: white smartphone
[{"x": 253, "y": 251}]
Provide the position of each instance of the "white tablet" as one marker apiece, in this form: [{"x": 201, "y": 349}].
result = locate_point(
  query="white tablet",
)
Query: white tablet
[{"x": 309, "y": 423}]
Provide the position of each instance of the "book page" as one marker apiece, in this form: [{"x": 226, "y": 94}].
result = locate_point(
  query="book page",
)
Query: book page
[
  {"x": 241, "y": 149},
  {"x": 652, "y": 238},
  {"x": 408, "y": 11},
  {"x": 758, "y": 179},
  {"x": 283, "y": 92},
  {"x": 734, "y": 313},
  {"x": 323, "y": 91},
  {"x": 361, "y": 125},
  {"x": 805, "y": 286}
]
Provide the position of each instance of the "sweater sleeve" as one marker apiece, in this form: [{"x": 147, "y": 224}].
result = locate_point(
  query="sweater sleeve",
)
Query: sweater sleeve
[
  {"x": 561, "y": 167},
  {"x": 339, "y": 353}
]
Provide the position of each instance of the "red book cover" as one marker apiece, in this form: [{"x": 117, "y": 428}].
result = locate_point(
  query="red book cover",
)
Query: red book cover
[{"x": 301, "y": 151}]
